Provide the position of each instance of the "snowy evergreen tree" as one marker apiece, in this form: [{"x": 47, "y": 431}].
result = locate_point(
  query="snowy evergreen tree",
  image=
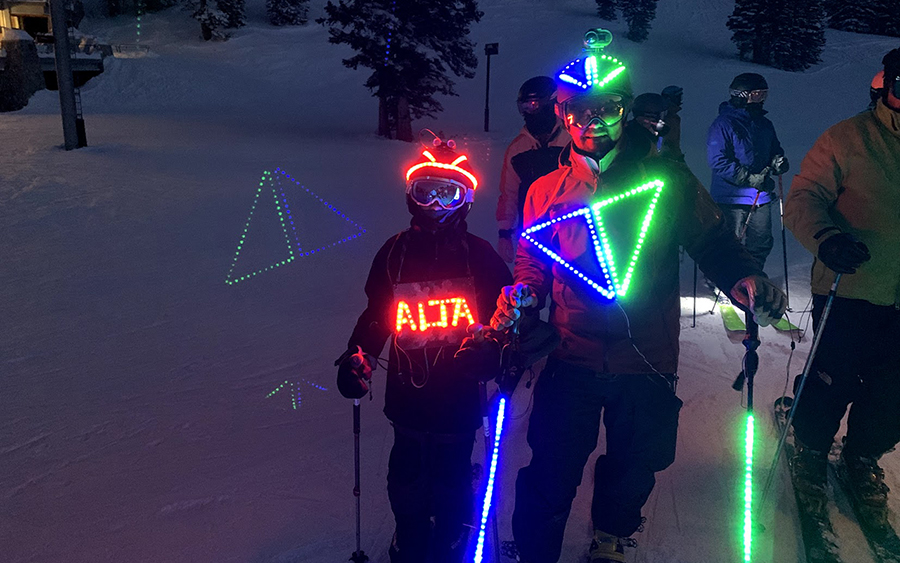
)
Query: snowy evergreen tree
[
  {"x": 234, "y": 11},
  {"x": 212, "y": 20},
  {"x": 639, "y": 14},
  {"x": 287, "y": 12},
  {"x": 786, "y": 34},
  {"x": 886, "y": 17},
  {"x": 409, "y": 45},
  {"x": 799, "y": 35},
  {"x": 857, "y": 16},
  {"x": 606, "y": 9}
]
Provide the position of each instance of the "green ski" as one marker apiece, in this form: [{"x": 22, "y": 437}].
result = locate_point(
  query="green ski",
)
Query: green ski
[{"x": 732, "y": 320}]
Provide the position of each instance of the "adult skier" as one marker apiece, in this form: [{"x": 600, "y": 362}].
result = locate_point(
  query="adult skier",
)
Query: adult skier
[
  {"x": 843, "y": 207},
  {"x": 601, "y": 241},
  {"x": 652, "y": 112},
  {"x": 533, "y": 153},
  {"x": 743, "y": 152},
  {"x": 426, "y": 286}
]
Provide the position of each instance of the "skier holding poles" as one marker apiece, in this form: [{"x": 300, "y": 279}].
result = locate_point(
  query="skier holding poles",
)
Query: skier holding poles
[
  {"x": 842, "y": 207},
  {"x": 428, "y": 286},
  {"x": 601, "y": 240}
]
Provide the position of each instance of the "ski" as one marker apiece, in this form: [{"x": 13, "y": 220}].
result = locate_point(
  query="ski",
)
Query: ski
[
  {"x": 731, "y": 319},
  {"x": 881, "y": 537},
  {"x": 819, "y": 538},
  {"x": 784, "y": 325}
]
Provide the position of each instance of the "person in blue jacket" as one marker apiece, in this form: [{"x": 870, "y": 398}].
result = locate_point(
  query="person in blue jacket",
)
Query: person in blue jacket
[{"x": 744, "y": 153}]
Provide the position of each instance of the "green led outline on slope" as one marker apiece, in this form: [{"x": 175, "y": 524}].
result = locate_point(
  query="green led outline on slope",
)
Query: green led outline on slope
[{"x": 605, "y": 256}]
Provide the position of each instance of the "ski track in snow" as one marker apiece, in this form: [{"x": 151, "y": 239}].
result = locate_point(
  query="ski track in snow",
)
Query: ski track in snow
[{"x": 136, "y": 425}]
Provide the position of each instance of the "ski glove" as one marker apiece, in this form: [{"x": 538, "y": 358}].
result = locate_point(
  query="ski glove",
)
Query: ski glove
[
  {"x": 479, "y": 355},
  {"x": 758, "y": 180},
  {"x": 354, "y": 374},
  {"x": 779, "y": 164},
  {"x": 843, "y": 253},
  {"x": 761, "y": 297},
  {"x": 512, "y": 298}
]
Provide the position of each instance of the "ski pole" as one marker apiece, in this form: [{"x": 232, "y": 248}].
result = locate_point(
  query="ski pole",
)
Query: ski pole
[
  {"x": 748, "y": 372},
  {"x": 359, "y": 555},
  {"x": 787, "y": 292},
  {"x": 694, "y": 316},
  {"x": 806, "y": 369},
  {"x": 746, "y": 224}
]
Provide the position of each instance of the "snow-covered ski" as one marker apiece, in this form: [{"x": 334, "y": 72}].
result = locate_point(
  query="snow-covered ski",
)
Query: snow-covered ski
[
  {"x": 882, "y": 539},
  {"x": 819, "y": 538}
]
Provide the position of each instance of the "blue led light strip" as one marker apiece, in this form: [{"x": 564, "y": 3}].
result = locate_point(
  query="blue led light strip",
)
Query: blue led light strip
[
  {"x": 489, "y": 491},
  {"x": 296, "y": 395},
  {"x": 285, "y": 218}
]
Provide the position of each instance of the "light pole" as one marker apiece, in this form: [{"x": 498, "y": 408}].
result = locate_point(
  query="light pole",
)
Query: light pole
[{"x": 489, "y": 49}]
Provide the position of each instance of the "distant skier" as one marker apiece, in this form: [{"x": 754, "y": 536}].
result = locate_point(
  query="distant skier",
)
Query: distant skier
[
  {"x": 533, "y": 153},
  {"x": 426, "y": 286},
  {"x": 843, "y": 207},
  {"x": 671, "y": 144},
  {"x": 658, "y": 115},
  {"x": 613, "y": 286},
  {"x": 743, "y": 152}
]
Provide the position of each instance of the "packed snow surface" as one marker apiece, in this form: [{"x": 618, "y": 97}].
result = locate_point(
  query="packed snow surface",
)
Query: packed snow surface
[{"x": 139, "y": 423}]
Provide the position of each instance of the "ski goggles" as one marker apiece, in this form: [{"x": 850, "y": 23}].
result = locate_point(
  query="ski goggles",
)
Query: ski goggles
[
  {"x": 752, "y": 96},
  {"x": 533, "y": 104},
  {"x": 584, "y": 111},
  {"x": 447, "y": 193}
]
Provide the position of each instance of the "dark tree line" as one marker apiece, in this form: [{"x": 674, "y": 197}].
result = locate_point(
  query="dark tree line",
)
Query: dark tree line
[
  {"x": 638, "y": 14},
  {"x": 785, "y": 34},
  {"x": 880, "y": 17}
]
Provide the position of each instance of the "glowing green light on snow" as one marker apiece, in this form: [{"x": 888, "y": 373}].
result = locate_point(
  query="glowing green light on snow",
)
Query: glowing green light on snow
[
  {"x": 602, "y": 248},
  {"x": 748, "y": 489}
]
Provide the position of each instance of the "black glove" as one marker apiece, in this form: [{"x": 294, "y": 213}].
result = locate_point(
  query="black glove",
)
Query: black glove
[
  {"x": 763, "y": 299},
  {"x": 843, "y": 253},
  {"x": 354, "y": 374},
  {"x": 478, "y": 356},
  {"x": 758, "y": 180},
  {"x": 779, "y": 164}
]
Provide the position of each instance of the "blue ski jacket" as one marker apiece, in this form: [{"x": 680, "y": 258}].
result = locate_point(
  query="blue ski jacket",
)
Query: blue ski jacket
[{"x": 740, "y": 143}]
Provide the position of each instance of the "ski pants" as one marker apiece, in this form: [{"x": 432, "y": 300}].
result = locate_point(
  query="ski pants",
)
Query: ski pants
[
  {"x": 430, "y": 476},
  {"x": 758, "y": 240},
  {"x": 640, "y": 413},
  {"x": 857, "y": 364}
]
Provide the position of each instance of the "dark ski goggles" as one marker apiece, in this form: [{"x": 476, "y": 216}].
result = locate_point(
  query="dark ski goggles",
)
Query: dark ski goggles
[
  {"x": 447, "y": 193},
  {"x": 752, "y": 96},
  {"x": 533, "y": 104},
  {"x": 584, "y": 111}
]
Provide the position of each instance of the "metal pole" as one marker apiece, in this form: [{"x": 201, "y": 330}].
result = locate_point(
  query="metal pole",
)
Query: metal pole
[
  {"x": 694, "y": 317},
  {"x": 753, "y": 208},
  {"x": 787, "y": 292},
  {"x": 806, "y": 369},
  {"x": 64, "y": 79},
  {"x": 359, "y": 555},
  {"x": 487, "y": 96}
]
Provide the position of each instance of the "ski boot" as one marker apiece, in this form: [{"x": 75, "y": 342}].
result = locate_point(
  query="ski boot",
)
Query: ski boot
[
  {"x": 865, "y": 481},
  {"x": 809, "y": 475},
  {"x": 607, "y": 548}
]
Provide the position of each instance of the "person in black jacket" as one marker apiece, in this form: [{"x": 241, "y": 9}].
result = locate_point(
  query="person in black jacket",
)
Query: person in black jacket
[{"x": 429, "y": 288}]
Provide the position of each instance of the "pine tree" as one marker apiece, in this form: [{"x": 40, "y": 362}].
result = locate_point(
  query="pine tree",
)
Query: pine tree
[
  {"x": 798, "y": 35},
  {"x": 234, "y": 12},
  {"x": 606, "y": 9},
  {"x": 212, "y": 20},
  {"x": 409, "y": 45},
  {"x": 857, "y": 16},
  {"x": 749, "y": 30},
  {"x": 287, "y": 12},
  {"x": 886, "y": 17},
  {"x": 639, "y": 14}
]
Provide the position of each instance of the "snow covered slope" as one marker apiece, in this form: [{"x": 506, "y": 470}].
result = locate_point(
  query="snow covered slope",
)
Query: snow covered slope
[{"x": 136, "y": 424}]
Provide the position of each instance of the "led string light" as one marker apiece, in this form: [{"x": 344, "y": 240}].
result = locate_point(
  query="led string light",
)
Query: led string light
[
  {"x": 748, "y": 489},
  {"x": 443, "y": 166},
  {"x": 405, "y": 316},
  {"x": 600, "y": 239},
  {"x": 489, "y": 490},
  {"x": 591, "y": 72},
  {"x": 285, "y": 218},
  {"x": 296, "y": 395}
]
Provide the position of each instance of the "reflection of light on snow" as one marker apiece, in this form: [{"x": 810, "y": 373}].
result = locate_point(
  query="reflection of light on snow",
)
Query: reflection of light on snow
[{"x": 704, "y": 304}]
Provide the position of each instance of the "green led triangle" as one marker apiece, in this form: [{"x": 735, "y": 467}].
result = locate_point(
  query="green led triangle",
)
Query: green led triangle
[{"x": 622, "y": 278}]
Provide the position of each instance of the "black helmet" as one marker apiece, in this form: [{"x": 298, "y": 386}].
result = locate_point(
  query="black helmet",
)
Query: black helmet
[
  {"x": 537, "y": 87},
  {"x": 674, "y": 94},
  {"x": 748, "y": 82},
  {"x": 650, "y": 104}
]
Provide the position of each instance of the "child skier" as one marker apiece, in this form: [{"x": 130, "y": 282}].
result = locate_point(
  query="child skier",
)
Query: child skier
[{"x": 428, "y": 285}]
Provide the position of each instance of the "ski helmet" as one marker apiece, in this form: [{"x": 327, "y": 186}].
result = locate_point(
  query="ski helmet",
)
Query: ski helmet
[
  {"x": 537, "y": 87},
  {"x": 749, "y": 87},
  {"x": 594, "y": 72},
  {"x": 441, "y": 176},
  {"x": 891, "y": 62},
  {"x": 650, "y": 105},
  {"x": 876, "y": 89},
  {"x": 674, "y": 94}
]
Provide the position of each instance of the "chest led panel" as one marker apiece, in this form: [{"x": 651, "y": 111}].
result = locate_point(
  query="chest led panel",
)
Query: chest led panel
[{"x": 617, "y": 271}]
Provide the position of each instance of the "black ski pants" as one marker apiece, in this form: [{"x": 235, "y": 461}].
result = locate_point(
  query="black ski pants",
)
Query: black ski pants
[
  {"x": 640, "y": 413},
  {"x": 857, "y": 364},
  {"x": 430, "y": 476},
  {"x": 758, "y": 239}
]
